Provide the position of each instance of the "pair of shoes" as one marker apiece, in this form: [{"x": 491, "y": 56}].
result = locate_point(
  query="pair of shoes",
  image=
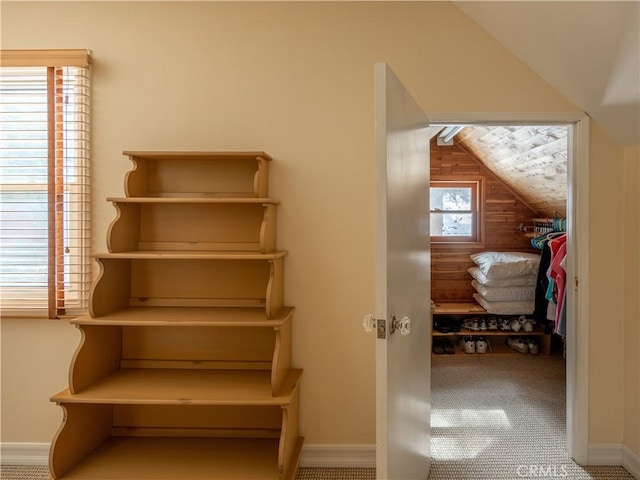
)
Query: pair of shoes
[
  {"x": 470, "y": 344},
  {"x": 471, "y": 324},
  {"x": 493, "y": 323},
  {"x": 519, "y": 344},
  {"x": 523, "y": 323},
  {"x": 446, "y": 325},
  {"x": 443, "y": 345},
  {"x": 475, "y": 324},
  {"x": 504, "y": 325}
]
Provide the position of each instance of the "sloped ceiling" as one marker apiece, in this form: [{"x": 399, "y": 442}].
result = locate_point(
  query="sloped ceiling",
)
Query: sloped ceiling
[
  {"x": 530, "y": 160},
  {"x": 587, "y": 50}
]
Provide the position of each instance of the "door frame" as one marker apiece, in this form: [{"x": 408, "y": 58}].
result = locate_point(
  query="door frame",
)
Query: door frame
[{"x": 577, "y": 369}]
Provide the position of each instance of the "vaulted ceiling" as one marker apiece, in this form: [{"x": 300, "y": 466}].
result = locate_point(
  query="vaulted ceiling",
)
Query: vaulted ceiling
[
  {"x": 530, "y": 160},
  {"x": 587, "y": 50}
]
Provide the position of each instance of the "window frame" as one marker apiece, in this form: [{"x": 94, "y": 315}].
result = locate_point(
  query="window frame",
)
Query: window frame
[
  {"x": 68, "y": 281},
  {"x": 476, "y": 183}
]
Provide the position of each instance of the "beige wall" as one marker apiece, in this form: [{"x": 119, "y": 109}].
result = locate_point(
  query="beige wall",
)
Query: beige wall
[
  {"x": 606, "y": 267},
  {"x": 296, "y": 80},
  {"x": 632, "y": 300}
]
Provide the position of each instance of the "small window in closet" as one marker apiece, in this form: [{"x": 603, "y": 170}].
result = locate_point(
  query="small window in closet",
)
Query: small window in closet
[{"x": 455, "y": 211}]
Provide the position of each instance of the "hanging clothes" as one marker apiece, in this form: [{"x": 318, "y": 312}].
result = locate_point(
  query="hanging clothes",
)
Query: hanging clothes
[
  {"x": 542, "y": 279},
  {"x": 558, "y": 275}
]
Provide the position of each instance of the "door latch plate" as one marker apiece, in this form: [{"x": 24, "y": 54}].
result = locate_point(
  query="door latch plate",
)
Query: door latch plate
[{"x": 381, "y": 328}]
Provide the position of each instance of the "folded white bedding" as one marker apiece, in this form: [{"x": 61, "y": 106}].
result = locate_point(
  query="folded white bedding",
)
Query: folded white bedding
[
  {"x": 506, "y": 264},
  {"x": 505, "y": 308},
  {"x": 505, "y": 294},
  {"x": 482, "y": 279}
]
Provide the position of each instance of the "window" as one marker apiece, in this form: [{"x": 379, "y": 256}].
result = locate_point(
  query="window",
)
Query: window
[
  {"x": 44, "y": 183},
  {"x": 455, "y": 211}
]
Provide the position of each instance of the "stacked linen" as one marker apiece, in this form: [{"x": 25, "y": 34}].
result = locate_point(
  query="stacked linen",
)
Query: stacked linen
[{"x": 505, "y": 282}]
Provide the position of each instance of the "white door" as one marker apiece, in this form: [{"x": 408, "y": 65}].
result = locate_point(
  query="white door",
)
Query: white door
[{"x": 403, "y": 286}]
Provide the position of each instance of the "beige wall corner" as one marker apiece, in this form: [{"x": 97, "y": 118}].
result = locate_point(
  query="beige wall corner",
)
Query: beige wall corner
[
  {"x": 36, "y": 355},
  {"x": 632, "y": 300},
  {"x": 606, "y": 224}
]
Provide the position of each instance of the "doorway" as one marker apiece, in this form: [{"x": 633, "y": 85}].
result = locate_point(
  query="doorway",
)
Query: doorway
[
  {"x": 577, "y": 247},
  {"x": 402, "y": 162}
]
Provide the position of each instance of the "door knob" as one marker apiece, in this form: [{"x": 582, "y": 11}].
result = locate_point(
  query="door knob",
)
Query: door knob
[
  {"x": 404, "y": 325},
  {"x": 368, "y": 323}
]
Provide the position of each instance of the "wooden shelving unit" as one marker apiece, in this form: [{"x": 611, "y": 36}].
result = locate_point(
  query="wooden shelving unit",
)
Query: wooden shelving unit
[
  {"x": 458, "y": 309},
  {"x": 497, "y": 338},
  {"x": 184, "y": 367}
]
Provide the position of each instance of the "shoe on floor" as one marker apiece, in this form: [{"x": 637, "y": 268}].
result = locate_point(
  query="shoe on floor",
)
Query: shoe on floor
[
  {"x": 518, "y": 344},
  {"x": 469, "y": 345},
  {"x": 533, "y": 346},
  {"x": 437, "y": 348},
  {"x": 481, "y": 345},
  {"x": 448, "y": 347}
]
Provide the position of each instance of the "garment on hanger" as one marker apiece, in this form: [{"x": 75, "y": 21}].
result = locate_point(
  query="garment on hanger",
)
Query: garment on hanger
[
  {"x": 542, "y": 279},
  {"x": 557, "y": 274}
]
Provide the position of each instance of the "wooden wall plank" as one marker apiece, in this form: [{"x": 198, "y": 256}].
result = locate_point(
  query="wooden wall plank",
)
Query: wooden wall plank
[{"x": 503, "y": 210}]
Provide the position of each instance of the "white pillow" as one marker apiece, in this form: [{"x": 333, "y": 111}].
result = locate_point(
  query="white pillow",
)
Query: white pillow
[
  {"x": 482, "y": 279},
  {"x": 505, "y": 294},
  {"x": 505, "y": 308},
  {"x": 506, "y": 264}
]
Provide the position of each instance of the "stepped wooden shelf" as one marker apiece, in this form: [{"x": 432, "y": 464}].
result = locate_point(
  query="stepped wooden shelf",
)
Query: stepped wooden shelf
[
  {"x": 178, "y": 223},
  {"x": 184, "y": 365},
  {"x": 185, "y": 387},
  {"x": 188, "y": 279},
  {"x": 226, "y": 174},
  {"x": 164, "y": 458},
  {"x": 189, "y": 316}
]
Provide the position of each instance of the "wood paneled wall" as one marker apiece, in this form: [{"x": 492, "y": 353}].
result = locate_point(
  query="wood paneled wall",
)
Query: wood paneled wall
[{"x": 503, "y": 213}]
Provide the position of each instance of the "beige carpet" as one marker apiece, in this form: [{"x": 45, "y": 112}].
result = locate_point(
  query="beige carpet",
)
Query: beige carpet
[
  {"x": 14, "y": 472},
  {"x": 493, "y": 418},
  {"x": 502, "y": 418}
]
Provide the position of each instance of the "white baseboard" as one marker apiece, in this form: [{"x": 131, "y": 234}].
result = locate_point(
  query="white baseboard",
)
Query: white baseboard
[
  {"x": 24, "y": 453},
  {"x": 631, "y": 462},
  {"x": 339, "y": 456},
  {"x": 605, "y": 454},
  {"x": 615, "y": 454}
]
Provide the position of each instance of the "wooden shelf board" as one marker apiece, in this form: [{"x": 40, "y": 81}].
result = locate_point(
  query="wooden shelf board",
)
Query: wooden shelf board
[
  {"x": 191, "y": 255},
  {"x": 149, "y": 386},
  {"x": 488, "y": 333},
  {"x": 198, "y": 155},
  {"x": 162, "y": 458},
  {"x": 458, "y": 308},
  {"x": 189, "y": 317},
  {"x": 193, "y": 199},
  {"x": 495, "y": 350}
]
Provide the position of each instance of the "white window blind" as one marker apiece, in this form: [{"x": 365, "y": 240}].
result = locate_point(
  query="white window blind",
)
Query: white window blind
[{"x": 44, "y": 190}]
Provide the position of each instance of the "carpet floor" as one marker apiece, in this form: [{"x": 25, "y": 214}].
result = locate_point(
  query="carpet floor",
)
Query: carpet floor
[
  {"x": 493, "y": 418},
  {"x": 502, "y": 418}
]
